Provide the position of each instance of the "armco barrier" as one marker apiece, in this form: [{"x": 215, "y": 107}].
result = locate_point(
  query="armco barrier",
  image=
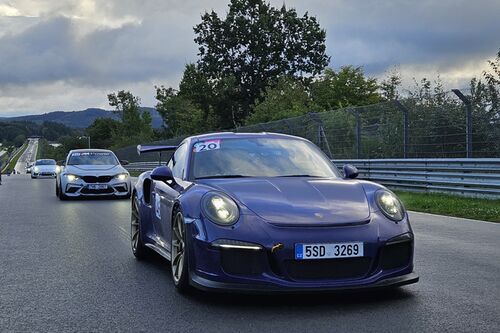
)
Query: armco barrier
[
  {"x": 142, "y": 166},
  {"x": 462, "y": 176}
]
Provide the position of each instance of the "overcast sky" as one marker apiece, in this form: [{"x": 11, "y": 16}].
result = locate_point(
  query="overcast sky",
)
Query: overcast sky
[{"x": 68, "y": 54}]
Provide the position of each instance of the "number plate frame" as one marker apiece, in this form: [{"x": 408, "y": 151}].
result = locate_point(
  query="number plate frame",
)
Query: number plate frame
[
  {"x": 98, "y": 187},
  {"x": 328, "y": 250}
]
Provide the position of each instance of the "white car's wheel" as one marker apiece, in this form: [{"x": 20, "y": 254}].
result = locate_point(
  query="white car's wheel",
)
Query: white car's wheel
[{"x": 61, "y": 194}]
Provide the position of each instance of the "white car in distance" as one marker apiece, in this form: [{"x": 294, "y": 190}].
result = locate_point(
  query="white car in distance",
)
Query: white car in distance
[{"x": 45, "y": 168}]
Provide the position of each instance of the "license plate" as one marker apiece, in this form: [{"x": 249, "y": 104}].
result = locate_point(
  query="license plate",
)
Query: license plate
[
  {"x": 98, "y": 186},
  {"x": 325, "y": 251}
]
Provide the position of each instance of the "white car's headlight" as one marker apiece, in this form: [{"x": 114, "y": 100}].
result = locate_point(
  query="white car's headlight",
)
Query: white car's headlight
[
  {"x": 390, "y": 205},
  {"x": 71, "y": 178},
  {"x": 37, "y": 169},
  {"x": 122, "y": 176},
  {"x": 220, "y": 208}
]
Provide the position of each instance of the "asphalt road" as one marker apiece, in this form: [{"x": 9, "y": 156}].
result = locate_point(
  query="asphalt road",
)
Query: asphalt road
[
  {"x": 67, "y": 266},
  {"x": 29, "y": 155}
]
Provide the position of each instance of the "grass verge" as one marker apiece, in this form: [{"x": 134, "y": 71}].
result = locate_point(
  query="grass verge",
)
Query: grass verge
[
  {"x": 450, "y": 205},
  {"x": 13, "y": 162}
]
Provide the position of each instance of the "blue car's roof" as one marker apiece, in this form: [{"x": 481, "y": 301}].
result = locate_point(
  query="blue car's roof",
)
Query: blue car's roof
[{"x": 233, "y": 135}]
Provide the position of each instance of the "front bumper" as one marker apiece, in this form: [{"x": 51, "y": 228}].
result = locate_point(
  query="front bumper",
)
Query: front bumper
[
  {"x": 43, "y": 174},
  {"x": 387, "y": 260},
  {"x": 84, "y": 189}
]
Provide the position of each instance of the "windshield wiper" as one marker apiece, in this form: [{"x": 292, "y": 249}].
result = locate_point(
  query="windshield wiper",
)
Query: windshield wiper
[{"x": 222, "y": 176}]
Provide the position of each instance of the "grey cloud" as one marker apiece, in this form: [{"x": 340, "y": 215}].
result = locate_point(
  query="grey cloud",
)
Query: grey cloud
[
  {"x": 51, "y": 50},
  {"x": 442, "y": 34}
]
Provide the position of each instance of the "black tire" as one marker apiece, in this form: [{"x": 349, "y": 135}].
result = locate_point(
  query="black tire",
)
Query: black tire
[
  {"x": 139, "y": 250},
  {"x": 179, "y": 265},
  {"x": 62, "y": 196}
]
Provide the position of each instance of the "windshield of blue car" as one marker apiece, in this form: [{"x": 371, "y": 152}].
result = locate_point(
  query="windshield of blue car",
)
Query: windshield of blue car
[
  {"x": 92, "y": 158},
  {"x": 259, "y": 157},
  {"x": 45, "y": 162}
]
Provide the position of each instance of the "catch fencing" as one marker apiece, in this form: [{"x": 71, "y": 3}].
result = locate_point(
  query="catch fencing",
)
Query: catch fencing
[{"x": 447, "y": 125}]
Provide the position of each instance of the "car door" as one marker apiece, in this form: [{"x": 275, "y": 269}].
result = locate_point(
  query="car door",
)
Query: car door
[{"x": 166, "y": 194}]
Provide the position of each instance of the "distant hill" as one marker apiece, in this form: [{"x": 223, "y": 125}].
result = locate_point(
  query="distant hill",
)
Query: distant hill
[{"x": 80, "y": 119}]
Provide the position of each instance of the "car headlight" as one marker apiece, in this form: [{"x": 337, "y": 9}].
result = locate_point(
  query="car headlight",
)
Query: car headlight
[
  {"x": 37, "y": 169},
  {"x": 122, "y": 176},
  {"x": 390, "y": 205},
  {"x": 220, "y": 208},
  {"x": 71, "y": 178}
]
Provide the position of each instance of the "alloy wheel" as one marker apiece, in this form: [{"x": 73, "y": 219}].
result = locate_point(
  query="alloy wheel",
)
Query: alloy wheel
[{"x": 178, "y": 247}]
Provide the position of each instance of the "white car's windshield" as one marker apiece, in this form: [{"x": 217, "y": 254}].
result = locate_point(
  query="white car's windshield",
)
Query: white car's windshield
[
  {"x": 259, "y": 157},
  {"x": 45, "y": 162},
  {"x": 92, "y": 158}
]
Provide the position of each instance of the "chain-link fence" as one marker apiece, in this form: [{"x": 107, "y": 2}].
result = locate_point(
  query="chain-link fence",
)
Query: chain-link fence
[{"x": 448, "y": 125}]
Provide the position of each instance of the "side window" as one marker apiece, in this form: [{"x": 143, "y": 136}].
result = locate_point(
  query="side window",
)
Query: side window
[{"x": 178, "y": 161}]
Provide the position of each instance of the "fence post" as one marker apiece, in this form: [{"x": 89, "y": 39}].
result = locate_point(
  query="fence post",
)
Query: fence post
[
  {"x": 322, "y": 139},
  {"x": 404, "y": 110},
  {"x": 468, "y": 121},
  {"x": 357, "y": 116}
]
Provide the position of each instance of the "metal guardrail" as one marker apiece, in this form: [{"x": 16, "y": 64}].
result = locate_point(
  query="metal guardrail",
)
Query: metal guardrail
[
  {"x": 143, "y": 166},
  {"x": 463, "y": 176}
]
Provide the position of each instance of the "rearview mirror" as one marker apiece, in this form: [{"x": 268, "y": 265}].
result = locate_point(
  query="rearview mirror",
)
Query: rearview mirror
[
  {"x": 162, "y": 173},
  {"x": 350, "y": 171},
  {"x": 124, "y": 162}
]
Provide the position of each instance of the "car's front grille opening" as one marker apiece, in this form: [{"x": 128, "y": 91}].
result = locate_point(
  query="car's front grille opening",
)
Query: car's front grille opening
[
  {"x": 97, "y": 179},
  {"x": 101, "y": 191},
  {"x": 121, "y": 188},
  {"x": 339, "y": 268},
  {"x": 72, "y": 190},
  {"x": 396, "y": 255},
  {"x": 242, "y": 261}
]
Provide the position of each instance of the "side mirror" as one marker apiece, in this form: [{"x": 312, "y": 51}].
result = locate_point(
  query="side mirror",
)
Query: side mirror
[
  {"x": 350, "y": 171},
  {"x": 124, "y": 162},
  {"x": 162, "y": 173}
]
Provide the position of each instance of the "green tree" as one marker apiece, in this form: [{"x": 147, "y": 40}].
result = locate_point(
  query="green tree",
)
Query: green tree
[
  {"x": 255, "y": 44},
  {"x": 347, "y": 87},
  {"x": 103, "y": 131},
  {"x": 195, "y": 87},
  {"x": 180, "y": 115},
  {"x": 289, "y": 98},
  {"x": 135, "y": 126},
  {"x": 390, "y": 86}
]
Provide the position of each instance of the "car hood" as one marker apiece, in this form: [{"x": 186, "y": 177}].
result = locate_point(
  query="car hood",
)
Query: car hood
[
  {"x": 94, "y": 169},
  {"x": 300, "y": 201}
]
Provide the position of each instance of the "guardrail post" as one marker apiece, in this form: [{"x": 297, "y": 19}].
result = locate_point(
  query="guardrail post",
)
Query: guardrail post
[
  {"x": 406, "y": 140},
  {"x": 468, "y": 121}
]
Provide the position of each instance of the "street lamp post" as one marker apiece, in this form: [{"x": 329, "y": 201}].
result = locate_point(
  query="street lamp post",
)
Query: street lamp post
[{"x": 85, "y": 137}]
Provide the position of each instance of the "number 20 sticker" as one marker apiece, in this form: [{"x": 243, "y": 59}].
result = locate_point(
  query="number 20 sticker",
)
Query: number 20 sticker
[{"x": 206, "y": 145}]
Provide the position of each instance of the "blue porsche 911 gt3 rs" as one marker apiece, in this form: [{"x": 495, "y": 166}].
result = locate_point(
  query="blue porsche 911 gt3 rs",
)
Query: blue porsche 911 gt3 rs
[{"x": 268, "y": 212}]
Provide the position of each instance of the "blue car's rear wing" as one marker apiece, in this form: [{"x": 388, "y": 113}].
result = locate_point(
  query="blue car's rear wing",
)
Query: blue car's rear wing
[{"x": 152, "y": 149}]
